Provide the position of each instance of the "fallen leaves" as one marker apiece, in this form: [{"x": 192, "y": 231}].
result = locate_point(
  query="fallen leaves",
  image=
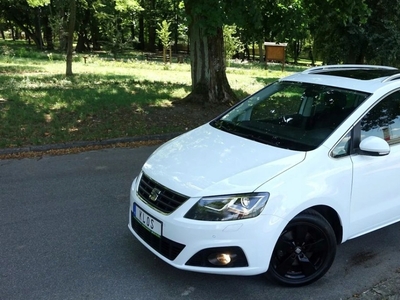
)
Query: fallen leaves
[{"x": 75, "y": 150}]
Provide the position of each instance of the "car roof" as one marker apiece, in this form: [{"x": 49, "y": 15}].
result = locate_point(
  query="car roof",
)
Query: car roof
[{"x": 366, "y": 78}]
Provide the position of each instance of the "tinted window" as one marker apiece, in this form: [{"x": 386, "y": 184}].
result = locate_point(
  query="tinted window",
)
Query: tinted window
[
  {"x": 291, "y": 115},
  {"x": 383, "y": 120}
]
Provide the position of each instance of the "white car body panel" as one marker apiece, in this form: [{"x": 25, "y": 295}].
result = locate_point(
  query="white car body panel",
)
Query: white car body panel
[
  {"x": 191, "y": 160},
  {"x": 379, "y": 205}
]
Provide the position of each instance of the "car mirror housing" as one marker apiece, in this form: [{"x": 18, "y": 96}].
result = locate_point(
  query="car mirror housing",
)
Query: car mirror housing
[{"x": 375, "y": 146}]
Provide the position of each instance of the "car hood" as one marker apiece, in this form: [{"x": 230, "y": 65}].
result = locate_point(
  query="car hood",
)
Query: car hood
[{"x": 208, "y": 161}]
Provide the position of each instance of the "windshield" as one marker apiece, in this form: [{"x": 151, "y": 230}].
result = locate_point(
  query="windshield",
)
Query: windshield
[{"x": 291, "y": 115}]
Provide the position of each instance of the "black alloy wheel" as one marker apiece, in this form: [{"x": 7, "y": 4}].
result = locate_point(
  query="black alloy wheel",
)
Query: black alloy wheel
[{"x": 304, "y": 251}]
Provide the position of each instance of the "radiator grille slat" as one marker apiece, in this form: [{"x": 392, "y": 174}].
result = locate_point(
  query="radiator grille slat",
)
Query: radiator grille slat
[{"x": 166, "y": 200}]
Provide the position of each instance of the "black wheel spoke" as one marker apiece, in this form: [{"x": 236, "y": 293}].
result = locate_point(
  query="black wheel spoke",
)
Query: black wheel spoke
[
  {"x": 317, "y": 246},
  {"x": 306, "y": 265},
  {"x": 284, "y": 245},
  {"x": 286, "y": 265}
]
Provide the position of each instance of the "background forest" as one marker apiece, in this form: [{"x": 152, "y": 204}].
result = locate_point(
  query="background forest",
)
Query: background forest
[{"x": 333, "y": 31}]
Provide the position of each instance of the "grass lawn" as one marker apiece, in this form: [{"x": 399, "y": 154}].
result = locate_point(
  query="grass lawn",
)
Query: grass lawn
[{"x": 105, "y": 98}]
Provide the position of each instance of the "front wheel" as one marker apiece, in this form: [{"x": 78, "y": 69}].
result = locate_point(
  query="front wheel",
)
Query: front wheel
[{"x": 304, "y": 251}]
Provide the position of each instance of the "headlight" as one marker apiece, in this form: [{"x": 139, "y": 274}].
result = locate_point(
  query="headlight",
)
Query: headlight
[{"x": 230, "y": 207}]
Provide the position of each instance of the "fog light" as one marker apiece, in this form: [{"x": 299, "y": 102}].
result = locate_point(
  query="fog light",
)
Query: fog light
[
  {"x": 220, "y": 259},
  {"x": 224, "y": 258}
]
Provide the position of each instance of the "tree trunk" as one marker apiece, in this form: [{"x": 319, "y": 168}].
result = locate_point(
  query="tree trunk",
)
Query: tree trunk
[
  {"x": 152, "y": 26},
  {"x": 71, "y": 29},
  {"x": 132, "y": 29},
  {"x": 81, "y": 44},
  {"x": 141, "y": 32},
  {"x": 84, "y": 44},
  {"x": 208, "y": 70},
  {"x": 261, "y": 58},
  {"x": 94, "y": 30},
  {"x": 48, "y": 33},
  {"x": 63, "y": 31},
  {"x": 29, "y": 33},
  {"x": 38, "y": 29}
]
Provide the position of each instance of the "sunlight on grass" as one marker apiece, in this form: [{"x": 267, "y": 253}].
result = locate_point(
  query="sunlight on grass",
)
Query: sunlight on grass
[
  {"x": 180, "y": 92},
  {"x": 59, "y": 105},
  {"x": 104, "y": 99},
  {"x": 163, "y": 103}
]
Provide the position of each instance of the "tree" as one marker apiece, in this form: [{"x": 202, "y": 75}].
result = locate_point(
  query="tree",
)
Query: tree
[
  {"x": 70, "y": 39},
  {"x": 289, "y": 23},
  {"x": 148, "y": 24},
  {"x": 164, "y": 34},
  {"x": 40, "y": 20},
  {"x": 382, "y": 33},
  {"x": 232, "y": 43},
  {"x": 114, "y": 20},
  {"x": 208, "y": 70},
  {"x": 336, "y": 27},
  {"x": 25, "y": 17}
]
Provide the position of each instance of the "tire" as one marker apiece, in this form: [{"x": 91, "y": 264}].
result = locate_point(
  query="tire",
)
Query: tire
[{"x": 304, "y": 252}]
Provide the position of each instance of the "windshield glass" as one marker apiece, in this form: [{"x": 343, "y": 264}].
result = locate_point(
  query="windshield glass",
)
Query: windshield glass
[{"x": 291, "y": 115}]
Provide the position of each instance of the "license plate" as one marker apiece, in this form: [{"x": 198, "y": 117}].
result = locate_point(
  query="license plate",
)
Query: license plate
[{"x": 147, "y": 221}]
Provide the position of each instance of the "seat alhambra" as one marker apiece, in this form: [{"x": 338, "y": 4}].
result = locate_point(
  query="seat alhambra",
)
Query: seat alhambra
[{"x": 275, "y": 183}]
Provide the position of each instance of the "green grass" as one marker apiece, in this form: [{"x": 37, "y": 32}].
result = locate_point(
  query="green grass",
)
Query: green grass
[{"x": 104, "y": 99}]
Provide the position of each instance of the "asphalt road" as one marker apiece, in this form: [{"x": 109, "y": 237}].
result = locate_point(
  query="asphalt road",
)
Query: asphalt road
[{"x": 64, "y": 235}]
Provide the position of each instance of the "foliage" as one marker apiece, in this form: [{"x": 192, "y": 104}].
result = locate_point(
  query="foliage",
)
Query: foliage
[
  {"x": 331, "y": 24},
  {"x": 336, "y": 30},
  {"x": 383, "y": 34},
  {"x": 232, "y": 43},
  {"x": 127, "y": 5},
  {"x": 164, "y": 34},
  {"x": 36, "y": 3}
]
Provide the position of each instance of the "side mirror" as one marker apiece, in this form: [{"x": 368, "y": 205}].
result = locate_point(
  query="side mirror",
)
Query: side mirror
[{"x": 375, "y": 146}]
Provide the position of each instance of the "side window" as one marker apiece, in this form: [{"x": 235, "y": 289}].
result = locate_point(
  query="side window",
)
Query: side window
[
  {"x": 383, "y": 120},
  {"x": 342, "y": 149}
]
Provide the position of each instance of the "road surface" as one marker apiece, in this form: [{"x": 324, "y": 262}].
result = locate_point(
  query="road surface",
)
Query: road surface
[{"x": 64, "y": 235}]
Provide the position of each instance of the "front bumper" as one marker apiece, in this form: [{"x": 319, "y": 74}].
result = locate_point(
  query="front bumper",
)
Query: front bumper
[{"x": 187, "y": 244}]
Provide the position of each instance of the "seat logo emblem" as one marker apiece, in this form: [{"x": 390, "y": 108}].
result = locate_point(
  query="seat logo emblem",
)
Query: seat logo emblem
[{"x": 154, "y": 194}]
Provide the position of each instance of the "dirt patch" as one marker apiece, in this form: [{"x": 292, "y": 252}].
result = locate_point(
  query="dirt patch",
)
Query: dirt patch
[
  {"x": 362, "y": 257},
  {"x": 185, "y": 114}
]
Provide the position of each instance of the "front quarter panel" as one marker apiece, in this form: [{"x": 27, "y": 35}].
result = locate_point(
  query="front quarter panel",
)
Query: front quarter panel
[{"x": 312, "y": 184}]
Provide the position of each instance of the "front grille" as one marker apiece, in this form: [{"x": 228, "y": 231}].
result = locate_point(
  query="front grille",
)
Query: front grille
[
  {"x": 162, "y": 245},
  {"x": 166, "y": 200}
]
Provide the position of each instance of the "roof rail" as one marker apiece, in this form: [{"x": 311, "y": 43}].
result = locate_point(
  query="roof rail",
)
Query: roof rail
[
  {"x": 346, "y": 67},
  {"x": 393, "y": 77}
]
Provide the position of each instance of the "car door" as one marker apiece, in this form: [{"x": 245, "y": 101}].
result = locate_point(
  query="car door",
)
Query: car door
[{"x": 375, "y": 200}]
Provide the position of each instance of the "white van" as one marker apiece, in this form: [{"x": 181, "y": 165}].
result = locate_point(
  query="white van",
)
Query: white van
[{"x": 278, "y": 181}]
